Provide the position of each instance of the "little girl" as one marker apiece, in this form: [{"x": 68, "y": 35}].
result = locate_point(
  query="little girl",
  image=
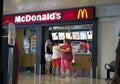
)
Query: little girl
[{"x": 56, "y": 60}]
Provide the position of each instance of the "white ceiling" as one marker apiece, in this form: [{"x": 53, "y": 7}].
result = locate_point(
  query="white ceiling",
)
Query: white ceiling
[{"x": 19, "y": 6}]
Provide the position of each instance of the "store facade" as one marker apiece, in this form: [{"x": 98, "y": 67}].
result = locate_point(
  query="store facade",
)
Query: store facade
[{"x": 38, "y": 20}]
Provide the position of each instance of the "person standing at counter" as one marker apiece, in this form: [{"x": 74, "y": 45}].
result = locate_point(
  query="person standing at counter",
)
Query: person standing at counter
[
  {"x": 66, "y": 58},
  {"x": 48, "y": 56}
]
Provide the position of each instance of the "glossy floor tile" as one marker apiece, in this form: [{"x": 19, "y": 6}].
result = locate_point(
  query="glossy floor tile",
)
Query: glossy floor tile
[{"x": 30, "y": 78}]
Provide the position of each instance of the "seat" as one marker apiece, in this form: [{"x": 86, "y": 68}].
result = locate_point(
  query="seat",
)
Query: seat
[{"x": 110, "y": 67}]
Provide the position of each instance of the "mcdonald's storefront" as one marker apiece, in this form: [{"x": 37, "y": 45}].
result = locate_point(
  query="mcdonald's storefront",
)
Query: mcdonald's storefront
[{"x": 80, "y": 17}]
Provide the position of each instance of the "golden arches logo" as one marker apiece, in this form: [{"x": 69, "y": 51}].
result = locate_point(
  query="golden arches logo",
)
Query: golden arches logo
[{"x": 82, "y": 13}]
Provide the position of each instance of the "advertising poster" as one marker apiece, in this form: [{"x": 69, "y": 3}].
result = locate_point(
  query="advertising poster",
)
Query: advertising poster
[
  {"x": 68, "y": 35},
  {"x": 89, "y": 34},
  {"x": 61, "y": 35},
  {"x": 75, "y": 35},
  {"x": 54, "y": 36},
  {"x": 83, "y": 35},
  {"x": 33, "y": 43}
]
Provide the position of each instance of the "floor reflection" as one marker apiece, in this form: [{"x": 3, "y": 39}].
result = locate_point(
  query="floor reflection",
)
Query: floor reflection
[{"x": 30, "y": 78}]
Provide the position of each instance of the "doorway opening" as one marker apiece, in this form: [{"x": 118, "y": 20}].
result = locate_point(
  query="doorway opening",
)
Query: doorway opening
[{"x": 81, "y": 37}]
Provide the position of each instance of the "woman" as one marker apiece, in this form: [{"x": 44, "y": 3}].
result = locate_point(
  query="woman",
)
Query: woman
[
  {"x": 66, "y": 58},
  {"x": 48, "y": 56}
]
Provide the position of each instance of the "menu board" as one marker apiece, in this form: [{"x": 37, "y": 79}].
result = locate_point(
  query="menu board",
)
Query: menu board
[
  {"x": 83, "y": 35},
  {"x": 61, "y": 35},
  {"x": 89, "y": 34},
  {"x": 68, "y": 35},
  {"x": 54, "y": 36},
  {"x": 76, "y": 35}
]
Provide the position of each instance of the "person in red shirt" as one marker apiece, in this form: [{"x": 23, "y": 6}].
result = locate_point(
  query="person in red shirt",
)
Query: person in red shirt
[
  {"x": 85, "y": 47},
  {"x": 66, "y": 58}
]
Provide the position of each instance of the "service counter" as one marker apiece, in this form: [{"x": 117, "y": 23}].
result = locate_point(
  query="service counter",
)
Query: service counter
[
  {"x": 28, "y": 60},
  {"x": 82, "y": 61}
]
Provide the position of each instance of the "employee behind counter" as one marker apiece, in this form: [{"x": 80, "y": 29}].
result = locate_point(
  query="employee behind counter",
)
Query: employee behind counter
[
  {"x": 80, "y": 47},
  {"x": 82, "y": 55}
]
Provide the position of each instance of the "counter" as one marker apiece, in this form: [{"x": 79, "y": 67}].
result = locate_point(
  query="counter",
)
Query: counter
[{"x": 83, "y": 61}]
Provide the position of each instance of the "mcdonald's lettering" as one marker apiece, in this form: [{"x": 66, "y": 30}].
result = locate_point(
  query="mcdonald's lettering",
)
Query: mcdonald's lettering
[{"x": 82, "y": 13}]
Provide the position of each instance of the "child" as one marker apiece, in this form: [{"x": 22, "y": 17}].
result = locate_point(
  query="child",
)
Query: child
[{"x": 56, "y": 59}]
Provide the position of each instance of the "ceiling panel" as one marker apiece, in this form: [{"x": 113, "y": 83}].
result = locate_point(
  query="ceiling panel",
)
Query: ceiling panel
[{"x": 19, "y": 6}]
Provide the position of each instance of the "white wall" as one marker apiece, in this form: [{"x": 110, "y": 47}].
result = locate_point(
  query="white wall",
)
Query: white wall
[
  {"x": 20, "y": 6},
  {"x": 109, "y": 25},
  {"x": 108, "y": 39}
]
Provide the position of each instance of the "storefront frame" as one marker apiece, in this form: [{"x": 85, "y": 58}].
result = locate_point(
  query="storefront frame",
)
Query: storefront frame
[{"x": 39, "y": 38}]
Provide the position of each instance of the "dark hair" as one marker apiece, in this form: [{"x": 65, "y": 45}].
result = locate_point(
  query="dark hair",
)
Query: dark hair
[
  {"x": 56, "y": 41},
  {"x": 67, "y": 40}
]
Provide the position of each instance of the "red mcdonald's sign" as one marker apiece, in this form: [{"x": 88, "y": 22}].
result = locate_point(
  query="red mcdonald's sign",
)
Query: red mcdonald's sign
[
  {"x": 82, "y": 13},
  {"x": 51, "y": 16}
]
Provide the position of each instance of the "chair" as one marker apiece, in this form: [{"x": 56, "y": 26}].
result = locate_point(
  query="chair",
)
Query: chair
[{"x": 110, "y": 68}]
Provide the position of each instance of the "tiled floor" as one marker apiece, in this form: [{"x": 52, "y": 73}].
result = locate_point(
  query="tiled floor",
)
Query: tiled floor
[{"x": 30, "y": 78}]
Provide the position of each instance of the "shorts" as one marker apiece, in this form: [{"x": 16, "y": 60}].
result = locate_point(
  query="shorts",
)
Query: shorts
[
  {"x": 56, "y": 62},
  {"x": 48, "y": 57}
]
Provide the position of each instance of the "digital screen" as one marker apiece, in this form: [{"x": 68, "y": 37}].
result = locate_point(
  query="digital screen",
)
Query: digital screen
[
  {"x": 75, "y": 35},
  {"x": 61, "y": 35},
  {"x": 89, "y": 34},
  {"x": 54, "y": 36},
  {"x": 83, "y": 35},
  {"x": 68, "y": 35}
]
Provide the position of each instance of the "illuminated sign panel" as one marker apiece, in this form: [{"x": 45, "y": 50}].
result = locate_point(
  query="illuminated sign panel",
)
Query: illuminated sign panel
[
  {"x": 82, "y": 13},
  {"x": 50, "y": 16}
]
